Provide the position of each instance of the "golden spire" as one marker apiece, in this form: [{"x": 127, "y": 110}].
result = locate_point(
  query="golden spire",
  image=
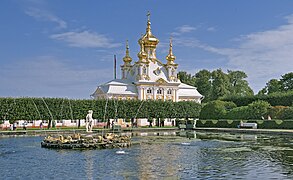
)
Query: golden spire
[
  {"x": 148, "y": 38},
  {"x": 170, "y": 57},
  {"x": 127, "y": 59},
  {"x": 148, "y": 29}
]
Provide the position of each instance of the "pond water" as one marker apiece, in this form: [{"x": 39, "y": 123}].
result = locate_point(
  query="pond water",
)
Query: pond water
[{"x": 184, "y": 155}]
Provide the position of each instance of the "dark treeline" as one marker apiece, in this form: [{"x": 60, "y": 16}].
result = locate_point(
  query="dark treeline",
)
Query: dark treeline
[
  {"x": 228, "y": 95},
  {"x": 284, "y": 84},
  {"x": 217, "y": 84},
  {"x": 58, "y": 108},
  {"x": 233, "y": 86}
]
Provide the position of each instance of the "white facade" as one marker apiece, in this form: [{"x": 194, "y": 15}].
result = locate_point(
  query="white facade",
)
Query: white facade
[{"x": 148, "y": 77}]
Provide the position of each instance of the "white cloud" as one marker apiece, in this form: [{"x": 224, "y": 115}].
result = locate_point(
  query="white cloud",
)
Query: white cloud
[
  {"x": 50, "y": 77},
  {"x": 185, "y": 29},
  {"x": 43, "y": 15},
  {"x": 85, "y": 39},
  {"x": 211, "y": 29},
  {"x": 262, "y": 55}
]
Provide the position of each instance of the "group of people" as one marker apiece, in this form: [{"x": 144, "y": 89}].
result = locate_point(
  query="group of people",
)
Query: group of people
[
  {"x": 269, "y": 117},
  {"x": 13, "y": 126}
]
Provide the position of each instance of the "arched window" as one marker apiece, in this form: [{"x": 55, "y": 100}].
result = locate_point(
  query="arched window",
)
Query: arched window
[
  {"x": 144, "y": 70},
  {"x": 173, "y": 72},
  {"x": 149, "y": 91},
  {"x": 160, "y": 91},
  {"x": 169, "y": 91}
]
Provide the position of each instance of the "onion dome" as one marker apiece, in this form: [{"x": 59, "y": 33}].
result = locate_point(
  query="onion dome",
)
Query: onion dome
[
  {"x": 170, "y": 57},
  {"x": 127, "y": 59},
  {"x": 148, "y": 39}
]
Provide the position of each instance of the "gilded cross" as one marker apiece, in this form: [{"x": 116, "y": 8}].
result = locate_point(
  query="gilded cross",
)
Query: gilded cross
[{"x": 148, "y": 15}]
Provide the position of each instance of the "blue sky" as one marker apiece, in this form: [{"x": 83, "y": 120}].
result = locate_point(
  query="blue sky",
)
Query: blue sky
[{"x": 54, "y": 48}]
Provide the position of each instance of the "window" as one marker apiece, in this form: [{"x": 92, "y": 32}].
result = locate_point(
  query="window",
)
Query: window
[
  {"x": 169, "y": 91},
  {"x": 149, "y": 91},
  {"x": 173, "y": 72},
  {"x": 159, "y": 91},
  {"x": 138, "y": 70},
  {"x": 73, "y": 121},
  {"x": 144, "y": 70}
]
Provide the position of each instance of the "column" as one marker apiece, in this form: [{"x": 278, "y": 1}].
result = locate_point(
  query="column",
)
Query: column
[
  {"x": 155, "y": 92},
  {"x": 176, "y": 95}
]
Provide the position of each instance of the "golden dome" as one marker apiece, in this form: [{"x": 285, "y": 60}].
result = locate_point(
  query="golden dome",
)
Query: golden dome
[
  {"x": 170, "y": 57},
  {"x": 127, "y": 59},
  {"x": 142, "y": 54},
  {"x": 148, "y": 39}
]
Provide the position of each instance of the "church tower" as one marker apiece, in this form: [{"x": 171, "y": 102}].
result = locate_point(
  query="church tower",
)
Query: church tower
[
  {"x": 148, "y": 44},
  {"x": 171, "y": 66},
  {"x": 148, "y": 78},
  {"x": 126, "y": 67}
]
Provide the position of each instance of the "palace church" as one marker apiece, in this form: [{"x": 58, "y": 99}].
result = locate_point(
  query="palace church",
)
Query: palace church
[{"x": 148, "y": 77}]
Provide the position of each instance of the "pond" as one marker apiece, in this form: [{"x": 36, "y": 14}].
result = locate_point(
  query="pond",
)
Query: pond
[{"x": 164, "y": 155}]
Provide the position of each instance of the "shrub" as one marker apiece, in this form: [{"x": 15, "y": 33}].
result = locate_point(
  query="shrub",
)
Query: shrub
[
  {"x": 275, "y": 99},
  {"x": 238, "y": 113},
  {"x": 261, "y": 124},
  {"x": 276, "y": 112},
  {"x": 287, "y": 113},
  {"x": 216, "y": 109},
  {"x": 258, "y": 109},
  {"x": 59, "y": 108}
]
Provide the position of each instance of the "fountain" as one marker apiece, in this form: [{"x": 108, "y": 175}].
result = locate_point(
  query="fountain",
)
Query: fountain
[
  {"x": 79, "y": 141},
  {"x": 87, "y": 141},
  {"x": 89, "y": 121}
]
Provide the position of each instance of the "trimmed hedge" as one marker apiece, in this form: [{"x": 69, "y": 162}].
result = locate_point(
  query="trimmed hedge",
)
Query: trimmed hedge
[
  {"x": 275, "y": 99},
  {"x": 216, "y": 109},
  {"x": 261, "y": 124},
  {"x": 59, "y": 108}
]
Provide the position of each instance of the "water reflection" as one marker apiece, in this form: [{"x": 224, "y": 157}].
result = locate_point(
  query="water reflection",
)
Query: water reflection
[
  {"x": 163, "y": 155},
  {"x": 89, "y": 163}
]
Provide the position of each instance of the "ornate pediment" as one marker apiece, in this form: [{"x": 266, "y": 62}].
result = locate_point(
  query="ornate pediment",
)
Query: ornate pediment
[
  {"x": 99, "y": 91},
  {"x": 161, "y": 81}
]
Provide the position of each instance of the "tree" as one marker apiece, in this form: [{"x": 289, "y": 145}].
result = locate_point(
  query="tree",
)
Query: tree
[
  {"x": 272, "y": 86},
  {"x": 203, "y": 83},
  {"x": 238, "y": 85},
  {"x": 287, "y": 82},
  {"x": 186, "y": 78},
  {"x": 216, "y": 109},
  {"x": 258, "y": 109},
  {"x": 220, "y": 84}
]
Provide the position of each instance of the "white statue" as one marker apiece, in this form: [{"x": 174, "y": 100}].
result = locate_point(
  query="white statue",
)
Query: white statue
[{"x": 89, "y": 121}]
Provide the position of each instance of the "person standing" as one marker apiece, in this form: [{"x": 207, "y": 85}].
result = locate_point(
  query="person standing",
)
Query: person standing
[
  {"x": 14, "y": 126},
  {"x": 41, "y": 125},
  {"x": 24, "y": 125}
]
